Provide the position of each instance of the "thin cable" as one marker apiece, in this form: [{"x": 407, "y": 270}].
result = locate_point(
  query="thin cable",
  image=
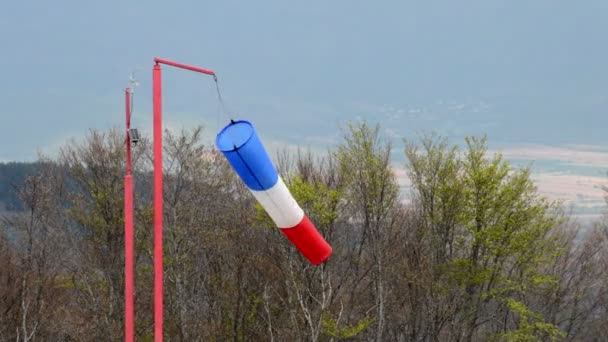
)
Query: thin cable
[
  {"x": 224, "y": 109},
  {"x": 222, "y": 106},
  {"x": 217, "y": 117}
]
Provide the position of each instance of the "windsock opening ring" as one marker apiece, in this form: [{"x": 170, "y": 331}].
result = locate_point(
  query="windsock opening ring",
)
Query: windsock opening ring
[{"x": 231, "y": 138}]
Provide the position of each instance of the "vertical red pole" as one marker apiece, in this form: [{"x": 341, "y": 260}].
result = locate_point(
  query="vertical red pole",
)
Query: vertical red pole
[
  {"x": 129, "y": 307},
  {"x": 129, "y": 282},
  {"x": 158, "y": 205}
]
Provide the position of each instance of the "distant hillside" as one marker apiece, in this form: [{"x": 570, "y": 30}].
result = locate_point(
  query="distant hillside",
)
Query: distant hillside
[{"x": 13, "y": 174}]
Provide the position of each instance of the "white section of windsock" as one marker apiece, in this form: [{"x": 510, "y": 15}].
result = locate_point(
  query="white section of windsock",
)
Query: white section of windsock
[{"x": 280, "y": 205}]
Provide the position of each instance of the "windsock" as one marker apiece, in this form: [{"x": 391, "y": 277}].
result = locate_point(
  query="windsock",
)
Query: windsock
[{"x": 242, "y": 147}]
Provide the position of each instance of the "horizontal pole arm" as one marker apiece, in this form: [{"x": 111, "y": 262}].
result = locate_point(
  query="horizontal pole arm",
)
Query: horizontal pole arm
[{"x": 184, "y": 66}]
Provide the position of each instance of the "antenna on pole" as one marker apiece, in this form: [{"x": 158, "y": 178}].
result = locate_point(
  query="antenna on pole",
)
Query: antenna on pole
[{"x": 133, "y": 82}]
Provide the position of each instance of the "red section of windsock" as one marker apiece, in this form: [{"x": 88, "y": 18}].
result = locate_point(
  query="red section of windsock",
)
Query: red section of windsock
[{"x": 308, "y": 240}]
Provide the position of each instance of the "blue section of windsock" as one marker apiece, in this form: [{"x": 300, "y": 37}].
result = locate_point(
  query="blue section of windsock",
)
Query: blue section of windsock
[{"x": 242, "y": 147}]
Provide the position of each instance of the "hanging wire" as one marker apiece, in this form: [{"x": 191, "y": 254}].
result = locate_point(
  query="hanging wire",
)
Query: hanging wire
[
  {"x": 222, "y": 104},
  {"x": 218, "y": 111}
]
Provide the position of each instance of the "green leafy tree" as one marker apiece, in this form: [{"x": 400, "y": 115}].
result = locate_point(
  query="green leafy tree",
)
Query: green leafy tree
[
  {"x": 488, "y": 231},
  {"x": 371, "y": 193}
]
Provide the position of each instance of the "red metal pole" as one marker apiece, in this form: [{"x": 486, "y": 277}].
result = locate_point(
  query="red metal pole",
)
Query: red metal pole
[
  {"x": 158, "y": 205},
  {"x": 158, "y": 188},
  {"x": 184, "y": 66},
  {"x": 129, "y": 281}
]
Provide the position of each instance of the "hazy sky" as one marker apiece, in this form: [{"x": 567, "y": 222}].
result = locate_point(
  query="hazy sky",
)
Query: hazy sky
[
  {"x": 522, "y": 71},
  {"x": 532, "y": 74}
]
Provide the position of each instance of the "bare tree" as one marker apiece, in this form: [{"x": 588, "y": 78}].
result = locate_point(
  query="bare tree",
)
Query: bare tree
[{"x": 35, "y": 269}]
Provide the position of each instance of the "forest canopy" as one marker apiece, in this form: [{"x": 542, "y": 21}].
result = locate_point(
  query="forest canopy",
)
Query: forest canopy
[{"x": 475, "y": 253}]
